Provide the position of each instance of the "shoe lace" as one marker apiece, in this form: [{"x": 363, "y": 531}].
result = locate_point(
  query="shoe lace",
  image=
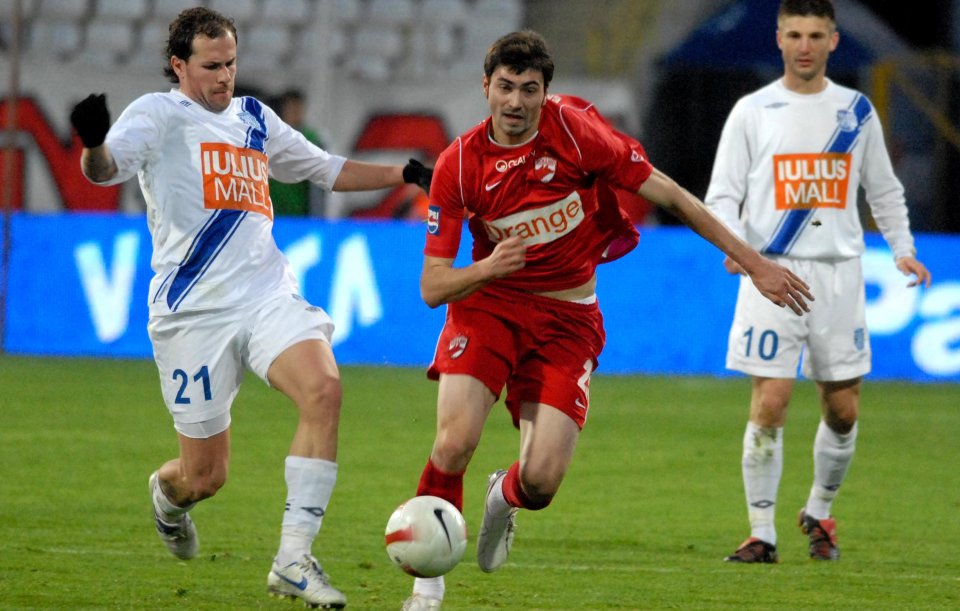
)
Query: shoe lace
[
  {"x": 417, "y": 601},
  {"x": 752, "y": 551},
  {"x": 820, "y": 539},
  {"x": 174, "y": 530},
  {"x": 314, "y": 572},
  {"x": 819, "y": 536},
  {"x": 511, "y": 523}
]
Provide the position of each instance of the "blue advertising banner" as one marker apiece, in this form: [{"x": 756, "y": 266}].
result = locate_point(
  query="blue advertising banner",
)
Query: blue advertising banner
[{"x": 78, "y": 286}]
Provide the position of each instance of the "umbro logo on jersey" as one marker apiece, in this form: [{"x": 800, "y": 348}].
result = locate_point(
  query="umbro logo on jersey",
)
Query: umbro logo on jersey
[
  {"x": 249, "y": 119},
  {"x": 636, "y": 157}
]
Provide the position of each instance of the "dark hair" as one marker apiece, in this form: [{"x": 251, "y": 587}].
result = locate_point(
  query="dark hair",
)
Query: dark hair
[
  {"x": 520, "y": 51},
  {"x": 188, "y": 25},
  {"x": 290, "y": 95},
  {"x": 807, "y": 8}
]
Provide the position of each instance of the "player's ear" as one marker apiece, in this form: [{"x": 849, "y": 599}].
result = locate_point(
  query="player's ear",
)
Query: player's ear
[
  {"x": 486, "y": 86},
  {"x": 178, "y": 66}
]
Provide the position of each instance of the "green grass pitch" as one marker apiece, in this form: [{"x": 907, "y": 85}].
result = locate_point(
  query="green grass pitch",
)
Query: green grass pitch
[{"x": 649, "y": 508}]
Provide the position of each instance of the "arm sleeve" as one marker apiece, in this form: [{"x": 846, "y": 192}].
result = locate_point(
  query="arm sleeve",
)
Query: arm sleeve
[
  {"x": 616, "y": 157},
  {"x": 884, "y": 192},
  {"x": 293, "y": 158},
  {"x": 731, "y": 167},
  {"x": 447, "y": 207},
  {"x": 134, "y": 137}
]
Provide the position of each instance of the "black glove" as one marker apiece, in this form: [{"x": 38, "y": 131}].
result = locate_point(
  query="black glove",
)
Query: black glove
[
  {"x": 418, "y": 174},
  {"x": 91, "y": 119}
]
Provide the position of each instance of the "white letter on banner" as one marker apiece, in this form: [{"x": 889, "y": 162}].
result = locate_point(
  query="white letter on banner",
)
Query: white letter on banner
[
  {"x": 895, "y": 306},
  {"x": 109, "y": 297},
  {"x": 354, "y": 289},
  {"x": 303, "y": 254},
  {"x": 933, "y": 341}
]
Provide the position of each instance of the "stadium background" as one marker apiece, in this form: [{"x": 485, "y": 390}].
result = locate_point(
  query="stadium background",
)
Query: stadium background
[{"x": 387, "y": 79}]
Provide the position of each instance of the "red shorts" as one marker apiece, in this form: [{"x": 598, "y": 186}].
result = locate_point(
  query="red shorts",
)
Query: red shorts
[{"x": 544, "y": 350}]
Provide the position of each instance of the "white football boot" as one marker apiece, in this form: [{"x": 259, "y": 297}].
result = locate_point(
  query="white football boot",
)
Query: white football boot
[
  {"x": 306, "y": 580},
  {"x": 180, "y": 536},
  {"x": 496, "y": 532},
  {"x": 418, "y": 602}
]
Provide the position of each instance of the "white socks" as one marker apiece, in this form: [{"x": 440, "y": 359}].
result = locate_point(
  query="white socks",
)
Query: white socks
[
  {"x": 832, "y": 454},
  {"x": 309, "y": 487},
  {"x": 168, "y": 511},
  {"x": 431, "y": 587},
  {"x": 762, "y": 466}
]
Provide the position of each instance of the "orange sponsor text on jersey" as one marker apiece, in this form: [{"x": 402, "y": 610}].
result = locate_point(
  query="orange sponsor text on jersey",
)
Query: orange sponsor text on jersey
[
  {"x": 235, "y": 178},
  {"x": 811, "y": 180},
  {"x": 539, "y": 225}
]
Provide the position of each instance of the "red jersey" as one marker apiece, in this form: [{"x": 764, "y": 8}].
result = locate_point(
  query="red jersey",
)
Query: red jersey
[{"x": 557, "y": 191}]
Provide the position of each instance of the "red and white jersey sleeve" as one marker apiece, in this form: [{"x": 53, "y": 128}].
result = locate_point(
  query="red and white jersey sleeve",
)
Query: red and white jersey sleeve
[
  {"x": 556, "y": 192},
  {"x": 204, "y": 177},
  {"x": 789, "y": 167}
]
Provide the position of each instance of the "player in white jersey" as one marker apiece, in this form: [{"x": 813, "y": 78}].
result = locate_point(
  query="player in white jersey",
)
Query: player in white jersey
[
  {"x": 223, "y": 298},
  {"x": 790, "y": 161}
]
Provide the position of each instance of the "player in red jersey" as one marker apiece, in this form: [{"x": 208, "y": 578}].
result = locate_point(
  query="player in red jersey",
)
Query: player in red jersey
[{"x": 537, "y": 182}]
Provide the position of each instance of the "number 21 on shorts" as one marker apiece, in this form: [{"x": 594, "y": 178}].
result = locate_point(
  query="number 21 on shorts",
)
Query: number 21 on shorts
[{"x": 203, "y": 375}]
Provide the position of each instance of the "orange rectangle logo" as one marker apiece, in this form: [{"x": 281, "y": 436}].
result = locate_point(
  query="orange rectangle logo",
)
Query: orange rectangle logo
[
  {"x": 235, "y": 178},
  {"x": 811, "y": 180}
]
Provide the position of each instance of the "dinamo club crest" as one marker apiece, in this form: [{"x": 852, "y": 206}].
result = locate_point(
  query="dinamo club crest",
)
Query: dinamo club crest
[{"x": 545, "y": 168}]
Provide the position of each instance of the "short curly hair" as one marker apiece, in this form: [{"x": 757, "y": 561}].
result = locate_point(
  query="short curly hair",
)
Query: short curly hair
[
  {"x": 188, "y": 25},
  {"x": 519, "y": 51}
]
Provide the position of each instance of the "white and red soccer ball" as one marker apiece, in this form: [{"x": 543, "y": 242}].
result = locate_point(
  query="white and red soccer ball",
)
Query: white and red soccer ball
[{"x": 426, "y": 536}]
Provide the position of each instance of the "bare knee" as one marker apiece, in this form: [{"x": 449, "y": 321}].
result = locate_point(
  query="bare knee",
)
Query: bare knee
[
  {"x": 452, "y": 453},
  {"x": 840, "y": 403},
  {"x": 540, "y": 485},
  {"x": 207, "y": 484},
  {"x": 320, "y": 396},
  {"x": 194, "y": 487},
  {"x": 769, "y": 401}
]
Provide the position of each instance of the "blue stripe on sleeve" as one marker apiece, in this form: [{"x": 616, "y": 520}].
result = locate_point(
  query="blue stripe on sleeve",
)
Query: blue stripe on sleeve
[{"x": 256, "y": 137}]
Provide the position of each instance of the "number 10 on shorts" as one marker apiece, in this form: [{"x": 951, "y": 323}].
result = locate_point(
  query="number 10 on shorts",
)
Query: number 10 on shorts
[{"x": 767, "y": 343}]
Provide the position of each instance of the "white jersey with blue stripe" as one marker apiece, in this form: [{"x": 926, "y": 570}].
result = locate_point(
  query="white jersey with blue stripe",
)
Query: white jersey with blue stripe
[
  {"x": 788, "y": 169},
  {"x": 204, "y": 178}
]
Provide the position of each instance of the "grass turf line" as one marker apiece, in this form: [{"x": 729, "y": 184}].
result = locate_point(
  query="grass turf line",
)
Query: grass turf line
[{"x": 651, "y": 504}]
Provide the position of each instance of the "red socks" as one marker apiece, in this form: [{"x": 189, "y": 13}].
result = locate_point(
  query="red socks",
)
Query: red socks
[
  {"x": 447, "y": 486},
  {"x": 513, "y": 492}
]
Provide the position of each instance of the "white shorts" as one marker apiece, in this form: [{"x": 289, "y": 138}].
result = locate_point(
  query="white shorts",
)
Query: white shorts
[
  {"x": 767, "y": 341},
  {"x": 202, "y": 356}
]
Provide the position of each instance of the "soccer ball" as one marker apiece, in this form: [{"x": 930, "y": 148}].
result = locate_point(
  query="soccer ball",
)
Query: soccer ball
[{"x": 426, "y": 536}]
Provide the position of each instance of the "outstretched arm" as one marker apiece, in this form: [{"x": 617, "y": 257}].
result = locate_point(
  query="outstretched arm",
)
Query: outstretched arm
[
  {"x": 91, "y": 118},
  {"x": 361, "y": 176},
  {"x": 775, "y": 282}
]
